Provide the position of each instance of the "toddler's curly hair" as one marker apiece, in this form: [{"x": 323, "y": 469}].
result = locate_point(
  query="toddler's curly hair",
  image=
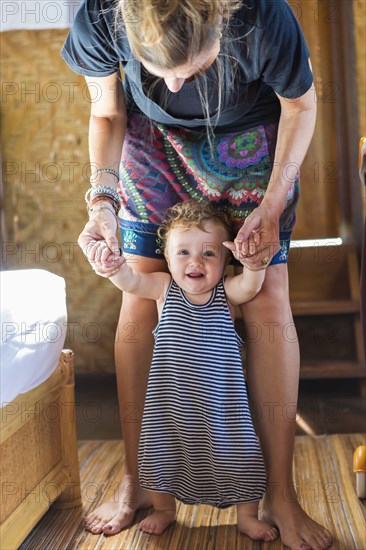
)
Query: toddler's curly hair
[{"x": 192, "y": 213}]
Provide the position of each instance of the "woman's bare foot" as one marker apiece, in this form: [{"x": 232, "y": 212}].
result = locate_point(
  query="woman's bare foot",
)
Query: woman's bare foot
[
  {"x": 249, "y": 524},
  {"x": 297, "y": 530},
  {"x": 157, "y": 522},
  {"x": 118, "y": 512}
]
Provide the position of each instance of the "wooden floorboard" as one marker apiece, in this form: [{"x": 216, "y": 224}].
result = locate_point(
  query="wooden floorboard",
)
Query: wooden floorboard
[{"x": 323, "y": 476}]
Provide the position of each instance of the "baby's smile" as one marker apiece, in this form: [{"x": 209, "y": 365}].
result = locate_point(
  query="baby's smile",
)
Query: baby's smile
[{"x": 195, "y": 275}]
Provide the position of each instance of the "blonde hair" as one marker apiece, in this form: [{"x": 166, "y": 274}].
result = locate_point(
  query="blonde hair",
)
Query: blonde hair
[
  {"x": 170, "y": 33},
  {"x": 192, "y": 213}
]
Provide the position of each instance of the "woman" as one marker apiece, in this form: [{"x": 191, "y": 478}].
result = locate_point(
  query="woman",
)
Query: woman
[{"x": 217, "y": 102}]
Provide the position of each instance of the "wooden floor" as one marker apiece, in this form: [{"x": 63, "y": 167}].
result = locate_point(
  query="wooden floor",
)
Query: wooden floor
[{"x": 323, "y": 476}]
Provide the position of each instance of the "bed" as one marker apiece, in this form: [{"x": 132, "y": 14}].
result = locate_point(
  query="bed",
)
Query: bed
[{"x": 38, "y": 443}]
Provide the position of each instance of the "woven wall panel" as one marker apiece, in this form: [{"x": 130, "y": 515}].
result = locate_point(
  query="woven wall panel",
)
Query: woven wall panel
[{"x": 45, "y": 112}]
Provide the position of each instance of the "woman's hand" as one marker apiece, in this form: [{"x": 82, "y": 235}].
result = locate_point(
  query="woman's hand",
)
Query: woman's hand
[
  {"x": 102, "y": 226},
  {"x": 258, "y": 239}
]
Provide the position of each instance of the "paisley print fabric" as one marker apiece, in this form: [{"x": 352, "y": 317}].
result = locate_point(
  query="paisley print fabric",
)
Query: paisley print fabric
[{"x": 162, "y": 165}]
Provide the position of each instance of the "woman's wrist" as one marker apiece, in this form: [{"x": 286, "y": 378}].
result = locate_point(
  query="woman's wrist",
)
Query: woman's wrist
[
  {"x": 100, "y": 209},
  {"x": 104, "y": 179},
  {"x": 274, "y": 202},
  {"x": 101, "y": 205},
  {"x": 281, "y": 179}
]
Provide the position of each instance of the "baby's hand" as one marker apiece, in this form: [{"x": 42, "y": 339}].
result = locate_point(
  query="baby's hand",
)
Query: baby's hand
[
  {"x": 104, "y": 262},
  {"x": 253, "y": 260}
]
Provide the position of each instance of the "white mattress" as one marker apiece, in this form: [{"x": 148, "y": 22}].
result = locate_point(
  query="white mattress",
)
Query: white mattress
[{"x": 33, "y": 329}]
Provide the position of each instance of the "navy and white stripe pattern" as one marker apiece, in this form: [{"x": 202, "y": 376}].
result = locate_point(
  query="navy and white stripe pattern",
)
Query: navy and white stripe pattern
[{"x": 197, "y": 438}]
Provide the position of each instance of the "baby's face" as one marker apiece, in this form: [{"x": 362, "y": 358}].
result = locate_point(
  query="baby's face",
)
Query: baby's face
[{"x": 197, "y": 258}]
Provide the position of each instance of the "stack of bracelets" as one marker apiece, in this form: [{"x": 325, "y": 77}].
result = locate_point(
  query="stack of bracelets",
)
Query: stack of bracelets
[{"x": 99, "y": 193}]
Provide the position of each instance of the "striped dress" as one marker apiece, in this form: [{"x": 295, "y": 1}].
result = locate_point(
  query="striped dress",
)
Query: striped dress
[{"x": 197, "y": 437}]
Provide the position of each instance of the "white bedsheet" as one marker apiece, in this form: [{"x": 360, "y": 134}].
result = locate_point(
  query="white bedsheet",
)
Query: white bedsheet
[{"x": 33, "y": 329}]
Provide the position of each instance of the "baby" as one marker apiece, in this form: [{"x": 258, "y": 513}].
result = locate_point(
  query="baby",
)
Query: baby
[{"x": 197, "y": 441}]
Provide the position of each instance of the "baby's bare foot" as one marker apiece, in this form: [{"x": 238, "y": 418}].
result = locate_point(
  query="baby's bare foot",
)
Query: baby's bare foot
[
  {"x": 249, "y": 524},
  {"x": 157, "y": 522},
  {"x": 118, "y": 512}
]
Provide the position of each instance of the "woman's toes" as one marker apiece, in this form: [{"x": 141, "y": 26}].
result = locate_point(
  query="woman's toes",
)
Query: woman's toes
[
  {"x": 96, "y": 527},
  {"x": 89, "y": 520},
  {"x": 90, "y": 524},
  {"x": 112, "y": 528},
  {"x": 96, "y": 530},
  {"x": 118, "y": 522}
]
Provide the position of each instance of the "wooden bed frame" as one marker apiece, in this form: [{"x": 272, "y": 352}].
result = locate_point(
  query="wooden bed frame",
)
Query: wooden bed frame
[{"x": 38, "y": 454}]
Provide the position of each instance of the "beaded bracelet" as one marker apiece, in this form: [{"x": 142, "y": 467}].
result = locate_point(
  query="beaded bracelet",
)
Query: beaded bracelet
[
  {"x": 94, "y": 175},
  {"x": 103, "y": 190},
  {"x": 93, "y": 192},
  {"x": 116, "y": 206},
  {"x": 103, "y": 198}
]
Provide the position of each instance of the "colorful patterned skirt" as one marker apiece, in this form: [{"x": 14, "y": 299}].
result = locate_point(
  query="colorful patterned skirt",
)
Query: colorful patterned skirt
[{"x": 162, "y": 165}]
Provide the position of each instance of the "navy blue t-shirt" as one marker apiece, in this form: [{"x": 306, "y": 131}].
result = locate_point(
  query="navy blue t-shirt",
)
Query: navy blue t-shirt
[{"x": 263, "y": 36}]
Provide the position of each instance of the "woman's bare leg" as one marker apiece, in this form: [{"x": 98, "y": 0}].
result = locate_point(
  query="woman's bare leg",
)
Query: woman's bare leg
[
  {"x": 133, "y": 353},
  {"x": 273, "y": 376}
]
